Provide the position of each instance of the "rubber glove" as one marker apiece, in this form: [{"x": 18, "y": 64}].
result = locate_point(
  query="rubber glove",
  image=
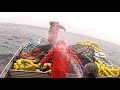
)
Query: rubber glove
[{"x": 41, "y": 67}]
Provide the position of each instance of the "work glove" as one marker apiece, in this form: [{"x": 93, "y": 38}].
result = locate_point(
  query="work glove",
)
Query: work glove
[
  {"x": 41, "y": 67},
  {"x": 82, "y": 67}
]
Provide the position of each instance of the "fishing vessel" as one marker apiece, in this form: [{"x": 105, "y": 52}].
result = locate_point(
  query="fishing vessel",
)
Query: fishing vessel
[{"x": 9, "y": 72}]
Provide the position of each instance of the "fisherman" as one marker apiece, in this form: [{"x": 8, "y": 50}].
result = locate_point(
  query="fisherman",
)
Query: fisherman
[
  {"x": 53, "y": 32},
  {"x": 90, "y": 71},
  {"x": 60, "y": 63}
]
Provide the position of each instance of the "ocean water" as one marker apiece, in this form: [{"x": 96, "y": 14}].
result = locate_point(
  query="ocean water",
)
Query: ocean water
[{"x": 12, "y": 36}]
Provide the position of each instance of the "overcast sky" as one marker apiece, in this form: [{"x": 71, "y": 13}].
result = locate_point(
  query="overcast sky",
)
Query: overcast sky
[{"x": 101, "y": 25}]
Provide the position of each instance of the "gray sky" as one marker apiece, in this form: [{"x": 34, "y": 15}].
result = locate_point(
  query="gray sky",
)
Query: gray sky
[{"x": 101, "y": 25}]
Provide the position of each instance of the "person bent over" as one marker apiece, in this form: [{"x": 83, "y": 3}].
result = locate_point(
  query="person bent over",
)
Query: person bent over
[{"x": 60, "y": 62}]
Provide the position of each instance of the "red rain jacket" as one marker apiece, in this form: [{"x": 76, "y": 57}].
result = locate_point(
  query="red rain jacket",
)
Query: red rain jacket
[
  {"x": 53, "y": 32},
  {"x": 59, "y": 60}
]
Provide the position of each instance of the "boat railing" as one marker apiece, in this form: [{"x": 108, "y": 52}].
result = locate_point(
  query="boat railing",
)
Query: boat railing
[{"x": 6, "y": 69}]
